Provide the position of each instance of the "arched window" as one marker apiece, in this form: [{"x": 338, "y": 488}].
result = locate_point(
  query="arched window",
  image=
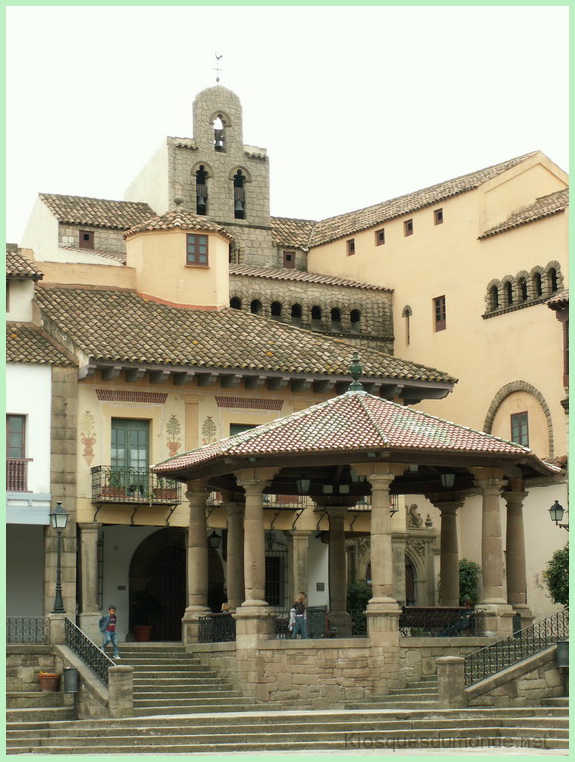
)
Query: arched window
[
  {"x": 552, "y": 275},
  {"x": 494, "y": 298},
  {"x": 201, "y": 190},
  {"x": 236, "y": 303},
  {"x": 335, "y": 319},
  {"x": 296, "y": 314},
  {"x": 256, "y": 307},
  {"x": 355, "y": 320},
  {"x": 522, "y": 288},
  {"x": 239, "y": 195},
  {"x": 219, "y": 134},
  {"x": 537, "y": 285},
  {"x": 316, "y": 317},
  {"x": 509, "y": 293},
  {"x": 276, "y": 310}
]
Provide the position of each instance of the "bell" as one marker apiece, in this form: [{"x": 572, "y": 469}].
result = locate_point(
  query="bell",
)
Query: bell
[
  {"x": 239, "y": 207},
  {"x": 201, "y": 201}
]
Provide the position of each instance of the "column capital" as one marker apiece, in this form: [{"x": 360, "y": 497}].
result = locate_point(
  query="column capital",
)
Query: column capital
[
  {"x": 255, "y": 478},
  {"x": 488, "y": 478},
  {"x": 196, "y": 487},
  {"x": 298, "y": 533},
  {"x": 373, "y": 471},
  {"x": 446, "y": 502},
  {"x": 89, "y": 526}
]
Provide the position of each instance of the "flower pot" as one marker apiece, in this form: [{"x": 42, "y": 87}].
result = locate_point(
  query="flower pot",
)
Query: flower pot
[
  {"x": 49, "y": 681},
  {"x": 166, "y": 493},
  {"x": 143, "y": 632},
  {"x": 113, "y": 492}
]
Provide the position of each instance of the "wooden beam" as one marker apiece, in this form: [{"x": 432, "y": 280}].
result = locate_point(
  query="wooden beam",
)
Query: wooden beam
[
  {"x": 230, "y": 379},
  {"x": 135, "y": 374},
  {"x": 109, "y": 374},
  {"x": 159, "y": 376},
  {"x": 186, "y": 377}
]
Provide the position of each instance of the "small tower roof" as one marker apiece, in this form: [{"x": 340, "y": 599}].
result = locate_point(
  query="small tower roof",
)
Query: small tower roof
[{"x": 178, "y": 218}]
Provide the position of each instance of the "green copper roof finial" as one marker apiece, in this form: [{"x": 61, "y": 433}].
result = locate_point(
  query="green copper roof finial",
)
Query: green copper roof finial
[{"x": 356, "y": 370}]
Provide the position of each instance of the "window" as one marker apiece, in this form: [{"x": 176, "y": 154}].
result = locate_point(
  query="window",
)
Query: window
[
  {"x": 197, "y": 250},
  {"x": 522, "y": 286},
  {"x": 237, "y": 428},
  {"x": 351, "y": 247},
  {"x": 239, "y": 196},
  {"x": 408, "y": 227},
  {"x": 296, "y": 314},
  {"x": 438, "y": 216},
  {"x": 553, "y": 280},
  {"x": 520, "y": 429},
  {"x": 15, "y": 436},
  {"x": 256, "y": 307},
  {"x": 236, "y": 303},
  {"x": 494, "y": 298},
  {"x": 86, "y": 239},
  {"x": 355, "y": 320},
  {"x": 509, "y": 293},
  {"x": 316, "y": 317},
  {"x": 276, "y": 310},
  {"x": 130, "y": 454},
  {"x": 335, "y": 319},
  {"x": 201, "y": 190},
  {"x": 407, "y": 313},
  {"x": 289, "y": 260},
  {"x": 538, "y": 285},
  {"x": 380, "y": 237},
  {"x": 219, "y": 133},
  {"x": 439, "y": 315}
]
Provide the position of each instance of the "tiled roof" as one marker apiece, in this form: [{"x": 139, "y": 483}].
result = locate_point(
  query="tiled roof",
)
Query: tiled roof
[
  {"x": 177, "y": 218},
  {"x": 27, "y": 343},
  {"x": 119, "y": 325},
  {"x": 97, "y": 212},
  {"x": 292, "y": 233},
  {"x": 348, "y": 423},
  {"x": 362, "y": 219},
  {"x": 19, "y": 266},
  {"x": 278, "y": 273},
  {"x": 559, "y": 300},
  {"x": 542, "y": 207}
]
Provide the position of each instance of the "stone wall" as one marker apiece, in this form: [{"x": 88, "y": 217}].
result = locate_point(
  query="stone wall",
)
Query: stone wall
[
  {"x": 105, "y": 239},
  {"x": 25, "y": 662},
  {"x": 317, "y": 673},
  {"x": 417, "y": 656}
]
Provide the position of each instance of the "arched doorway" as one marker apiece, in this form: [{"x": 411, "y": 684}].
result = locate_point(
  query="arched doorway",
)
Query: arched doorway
[
  {"x": 158, "y": 567},
  {"x": 409, "y": 583}
]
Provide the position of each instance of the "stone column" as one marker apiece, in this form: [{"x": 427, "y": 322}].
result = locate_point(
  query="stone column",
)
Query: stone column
[
  {"x": 338, "y": 615},
  {"x": 89, "y": 614},
  {"x": 449, "y": 548},
  {"x": 197, "y": 561},
  {"x": 382, "y": 610},
  {"x": 299, "y": 580},
  {"x": 498, "y": 615},
  {"x": 515, "y": 544},
  {"x": 235, "y": 555},
  {"x": 252, "y": 617}
]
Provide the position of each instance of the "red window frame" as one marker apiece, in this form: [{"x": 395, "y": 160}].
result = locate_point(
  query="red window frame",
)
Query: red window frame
[{"x": 197, "y": 250}]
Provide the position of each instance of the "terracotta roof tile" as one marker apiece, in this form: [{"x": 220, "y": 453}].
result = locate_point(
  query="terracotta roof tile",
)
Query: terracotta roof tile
[
  {"x": 362, "y": 219},
  {"x": 542, "y": 207},
  {"x": 28, "y": 343},
  {"x": 292, "y": 233},
  {"x": 19, "y": 266},
  {"x": 559, "y": 300},
  {"x": 119, "y": 325},
  {"x": 353, "y": 421},
  {"x": 276, "y": 273},
  {"x": 177, "y": 218},
  {"x": 97, "y": 212}
]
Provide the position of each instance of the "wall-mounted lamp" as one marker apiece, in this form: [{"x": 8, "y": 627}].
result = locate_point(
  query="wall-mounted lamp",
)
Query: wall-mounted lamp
[
  {"x": 447, "y": 480},
  {"x": 327, "y": 489},
  {"x": 303, "y": 485},
  {"x": 214, "y": 539},
  {"x": 355, "y": 477},
  {"x": 344, "y": 489},
  {"x": 556, "y": 512}
]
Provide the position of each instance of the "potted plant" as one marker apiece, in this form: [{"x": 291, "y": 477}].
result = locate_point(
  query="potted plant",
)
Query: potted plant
[
  {"x": 49, "y": 681},
  {"x": 165, "y": 489},
  {"x": 114, "y": 486},
  {"x": 146, "y": 607}
]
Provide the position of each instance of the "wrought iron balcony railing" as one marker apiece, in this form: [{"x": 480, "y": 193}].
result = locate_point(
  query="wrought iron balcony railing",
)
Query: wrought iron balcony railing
[
  {"x": 440, "y": 622},
  {"x": 133, "y": 485},
  {"x": 521, "y": 645},
  {"x": 217, "y": 628},
  {"x": 27, "y": 629},
  {"x": 17, "y": 474}
]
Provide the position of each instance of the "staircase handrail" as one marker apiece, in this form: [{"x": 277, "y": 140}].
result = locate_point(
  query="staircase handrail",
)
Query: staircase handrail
[
  {"x": 524, "y": 643},
  {"x": 87, "y": 651}
]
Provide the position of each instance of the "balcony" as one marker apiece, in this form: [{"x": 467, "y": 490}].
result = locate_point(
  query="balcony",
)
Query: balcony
[
  {"x": 136, "y": 486},
  {"x": 17, "y": 474}
]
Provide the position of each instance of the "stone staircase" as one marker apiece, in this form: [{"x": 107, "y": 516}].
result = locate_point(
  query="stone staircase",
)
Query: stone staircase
[
  {"x": 423, "y": 694},
  {"x": 528, "y": 729},
  {"x": 169, "y": 680},
  {"x": 37, "y": 706}
]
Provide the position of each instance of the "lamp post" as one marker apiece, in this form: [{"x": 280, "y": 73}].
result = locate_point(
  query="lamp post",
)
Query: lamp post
[
  {"x": 59, "y": 519},
  {"x": 556, "y": 513}
]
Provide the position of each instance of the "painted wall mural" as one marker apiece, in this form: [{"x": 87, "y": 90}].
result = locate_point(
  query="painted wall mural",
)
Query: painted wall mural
[
  {"x": 88, "y": 436},
  {"x": 173, "y": 429},
  {"x": 208, "y": 430}
]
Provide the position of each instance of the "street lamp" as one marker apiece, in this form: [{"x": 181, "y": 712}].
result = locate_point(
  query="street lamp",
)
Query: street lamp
[
  {"x": 59, "y": 519},
  {"x": 556, "y": 513},
  {"x": 214, "y": 539}
]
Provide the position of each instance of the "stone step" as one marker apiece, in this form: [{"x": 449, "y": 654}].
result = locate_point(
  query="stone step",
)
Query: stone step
[
  {"x": 179, "y": 693},
  {"x": 38, "y": 714},
  {"x": 23, "y": 699},
  {"x": 148, "y": 680},
  {"x": 160, "y": 702},
  {"x": 224, "y": 707}
]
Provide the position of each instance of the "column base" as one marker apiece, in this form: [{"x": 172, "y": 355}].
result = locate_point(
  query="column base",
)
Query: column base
[
  {"x": 383, "y": 621},
  {"x": 253, "y": 623},
  {"x": 88, "y": 623},
  {"x": 191, "y": 623},
  {"x": 497, "y": 619}
]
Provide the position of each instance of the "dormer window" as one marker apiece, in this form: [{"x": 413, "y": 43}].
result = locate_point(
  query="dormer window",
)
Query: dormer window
[
  {"x": 86, "y": 239},
  {"x": 239, "y": 195},
  {"x": 201, "y": 190},
  {"x": 197, "y": 250},
  {"x": 219, "y": 134}
]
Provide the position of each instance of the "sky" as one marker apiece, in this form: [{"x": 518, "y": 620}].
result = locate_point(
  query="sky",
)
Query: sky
[{"x": 355, "y": 105}]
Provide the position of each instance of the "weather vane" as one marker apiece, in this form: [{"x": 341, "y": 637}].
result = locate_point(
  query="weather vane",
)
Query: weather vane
[{"x": 217, "y": 69}]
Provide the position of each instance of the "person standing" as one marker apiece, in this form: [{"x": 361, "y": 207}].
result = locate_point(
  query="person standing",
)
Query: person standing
[
  {"x": 300, "y": 625},
  {"x": 108, "y": 629}
]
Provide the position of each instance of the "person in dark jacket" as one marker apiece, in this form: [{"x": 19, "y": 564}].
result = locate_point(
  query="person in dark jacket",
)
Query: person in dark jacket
[
  {"x": 300, "y": 625},
  {"x": 108, "y": 629}
]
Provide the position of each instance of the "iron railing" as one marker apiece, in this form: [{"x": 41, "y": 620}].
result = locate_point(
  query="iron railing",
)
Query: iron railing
[
  {"x": 27, "y": 629},
  {"x": 216, "y": 628},
  {"x": 319, "y": 624},
  {"x": 86, "y": 650},
  {"x": 440, "y": 622},
  {"x": 521, "y": 645},
  {"x": 17, "y": 474},
  {"x": 358, "y": 623},
  {"x": 133, "y": 485}
]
